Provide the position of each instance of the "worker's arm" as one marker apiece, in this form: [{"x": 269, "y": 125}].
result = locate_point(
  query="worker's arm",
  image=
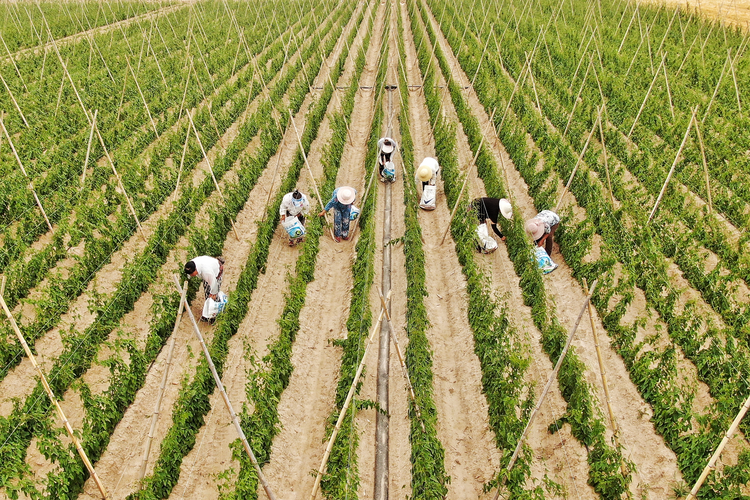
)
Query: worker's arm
[{"x": 542, "y": 239}]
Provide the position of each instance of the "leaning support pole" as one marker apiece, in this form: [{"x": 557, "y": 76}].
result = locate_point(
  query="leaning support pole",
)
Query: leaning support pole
[
  {"x": 210, "y": 169},
  {"x": 648, "y": 93},
  {"x": 402, "y": 362},
  {"x": 54, "y": 401},
  {"x": 552, "y": 377},
  {"x": 12, "y": 98},
  {"x": 307, "y": 164},
  {"x": 712, "y": 463},
  {"x": 345, "y": 407},
  {"x": 88, "y": 150},
  {"x": 674, "y": 164},
  {"x": 20, "y": 164},
  {"x": 580, "y": 157},
  {"x": 162, "y": 387},
  {"x": 463, "y": 186},
  {"x": 705, "y": 164},
  {"x": 602, "y": 370},
  {"x": 145, "y": 104},
  {"x": 119, "y": 182},
  {"x": 220, "y": 386}
]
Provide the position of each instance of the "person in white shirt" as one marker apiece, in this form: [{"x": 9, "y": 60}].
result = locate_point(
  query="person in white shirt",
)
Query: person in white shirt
[
  {"x": 542, "y": 229},
  {"x": 427, "y": 172},
  {"x": 294, "y": 204},
  {"x": 386, "y": 147},
  {"x": 210, "y": 269}
]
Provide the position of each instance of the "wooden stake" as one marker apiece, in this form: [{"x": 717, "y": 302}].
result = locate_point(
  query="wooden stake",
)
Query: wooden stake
[
  {"x": 705, "y": 164},
  {"x": 13, "y": 60},
  {"x": 669, "y": 92},
  {"x": 648, "y": 93},
  {"x": 551, "y": 379},
  {"x": 674, "y": 163},
  {"x": 606, "y": 164},
  {"x": 712, "y": 463},
  {"x": 182, "y": 162},
  {"x": 162, "y": 387},
  {"x": 736, "y": 88},
  {"x": 468, "y": 174},
  {"x": 88, "y": 150},
  {"x": 716, "y": 90},
  {"x": 20, "y": 164},
  {"x": 309, "y": 169},
  {"x": 53, "y": 399},
  {"x": 210, "y": 169},
  {"x": 580, "y": 91},
  {"x": 345, "y": 407},
  {"x": 401, "y": 361},
  {"x": 580, "y": 158},
  {"x": 145, "y": 104},
  {"x": 492, "y": 28},
  {"x": 602, "y": 370},
  {"x": 15, "y": 103},
  {"x": 119, "y": 182},
  {"x": 224, "y": 396}
]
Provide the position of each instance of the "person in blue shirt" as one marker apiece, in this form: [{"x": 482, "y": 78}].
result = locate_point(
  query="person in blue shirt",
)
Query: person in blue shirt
[{"x": 341, "y": 203}]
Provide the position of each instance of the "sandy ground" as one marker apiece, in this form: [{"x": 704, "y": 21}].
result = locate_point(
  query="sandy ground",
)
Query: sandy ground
[{"x": 733, "y": 12}]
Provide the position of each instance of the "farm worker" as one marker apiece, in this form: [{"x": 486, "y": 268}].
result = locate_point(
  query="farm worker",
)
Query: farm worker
[
  {"x": 488, "y": 210},
  {"x": 210, "y": 269},
  {"x": 341, "y": 202},
  {"x": 427, "y": 172},
  {"x": 386, "y": 147},
  {"x": 542, "y": 229},
  {"x": 294, "y": 204}
]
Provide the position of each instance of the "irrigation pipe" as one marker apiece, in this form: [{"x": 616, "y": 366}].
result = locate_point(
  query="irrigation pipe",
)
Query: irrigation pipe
[
  {"x": 224, "y": 396},
  {"x": 54, "y": 401},
  {"x": 345, "y": 407}
]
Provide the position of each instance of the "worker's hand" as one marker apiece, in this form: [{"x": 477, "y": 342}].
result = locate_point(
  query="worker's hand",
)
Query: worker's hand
[
  {"x": 283, "y": 217},
  {"x": 322, "y": 214},
  {"x": 214, "y": 296},
  {"x": 503, "y": 238}
]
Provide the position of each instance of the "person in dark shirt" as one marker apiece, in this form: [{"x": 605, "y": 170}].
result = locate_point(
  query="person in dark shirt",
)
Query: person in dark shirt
[{"x": 488, "y": 210}]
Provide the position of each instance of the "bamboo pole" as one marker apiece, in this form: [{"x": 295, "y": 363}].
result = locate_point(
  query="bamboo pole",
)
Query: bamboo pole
[
  {"x": 705, "y": 164},
  {"x": 674, "y": 164},
  {"x": 119, "y": 182},
  {"x": 182, "y": 162},
  {"x": 468, "y": 172},
  {"x": 648, "y": 93},
  {"x": 580, "y": 91},
  {"x": 492, "y": 28},
  {"x": 716, "y": 90},
  {"x": 345, "y": 406},
  {"x": 13, "y": 60},
  {"x": 20, "y": 164},
  {"x": 669, "y": 91},
  {"x": 220, "y": 386},
  {"x": 309, "y": 169},
  {"x": 551, "y": 379},
  {"x": 602, "y": 369},
  {"x": 162, "y": 387},
  {"x": 210, "y": 169},
  {"x": 736, "y": 88},
  {"x": 606, "y": 164},
  {"x": 55, "y": 403},
  {"x": 145, "y": 104},
  {"x": 15, "y": 103},
  {"x": 401, "y": 361},
  {"x": 712, "y": 463},
  {"x": 88, "y": 150},
  {"x": 580, "y": 157}
]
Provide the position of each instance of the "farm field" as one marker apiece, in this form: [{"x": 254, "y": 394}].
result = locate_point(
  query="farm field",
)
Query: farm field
[{"x": 137, "y": 135}]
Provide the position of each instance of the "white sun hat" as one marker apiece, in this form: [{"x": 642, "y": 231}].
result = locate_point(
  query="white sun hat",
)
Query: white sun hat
[
  {"x": 506, "y": 208},
  {"x": 388, "y": 146},
  {"x": 346, "y": 195},
  {"x": 424, "y": 173}
]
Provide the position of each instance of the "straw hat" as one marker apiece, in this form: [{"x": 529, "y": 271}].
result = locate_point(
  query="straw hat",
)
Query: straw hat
[
  {"x": 535, "y": 228},
  {"x": 387, "y": 146},
  {"x": 424, "y": 173},
  {"x": 506, "y": 208},
  {"x": 346, "y": 195}
]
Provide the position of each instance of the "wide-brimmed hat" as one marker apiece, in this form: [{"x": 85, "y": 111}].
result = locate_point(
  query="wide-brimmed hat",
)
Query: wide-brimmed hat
[
  {"x": 535, "y": 228},
  {"x": 387, "y": 146},
  {"x": 506, "y": 208},
  {"x": 424, "y": 173},
  {"x": 346, "y": 195}
]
